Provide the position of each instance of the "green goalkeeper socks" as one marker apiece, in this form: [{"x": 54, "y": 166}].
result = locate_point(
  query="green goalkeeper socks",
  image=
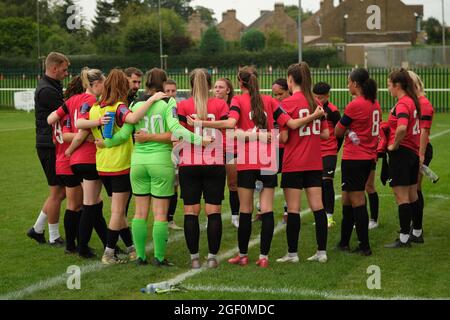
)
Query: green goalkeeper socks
[
  {"x": 160, "y": 237},
  {"x": 139, "y": 227}
]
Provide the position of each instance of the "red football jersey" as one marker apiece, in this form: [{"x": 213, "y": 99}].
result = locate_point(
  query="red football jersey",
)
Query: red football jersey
[
  {"x": 214, "y": 153},
  {"x": 329, "y": 147},
  {"x": 78, "y": 107},
  {"x": 257, "y": 155},
  {"x": 62, "y": 161},
  {"x": 302, "y": 152},
  {"x": 405, "y": 113},
  {"x": 426, "y": 114},
  {"x": 363, "y": 117}
]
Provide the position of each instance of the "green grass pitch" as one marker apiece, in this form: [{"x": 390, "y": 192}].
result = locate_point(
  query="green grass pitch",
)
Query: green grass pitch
[{"x": 30, "y": 271}]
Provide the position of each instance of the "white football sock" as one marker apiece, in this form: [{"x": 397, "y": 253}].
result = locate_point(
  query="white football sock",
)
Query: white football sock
[
  {"x": 53, "y": 230},
  {"x": 41, "y": 221},
  {"x": 417, "y": 233}
]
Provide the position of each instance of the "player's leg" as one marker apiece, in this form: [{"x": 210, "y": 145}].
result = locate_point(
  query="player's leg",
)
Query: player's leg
[
  {"x": 373, "y": 199},
  {"x": 231, "y": 170},
  {"x": 328, "y": 194},
  {"x": 72, "y": 216},
  {"x": 214, "y": 178}
]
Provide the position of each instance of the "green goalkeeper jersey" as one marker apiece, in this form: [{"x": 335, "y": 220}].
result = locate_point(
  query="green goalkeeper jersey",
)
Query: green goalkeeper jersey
[{"x": 160, "y": 118}]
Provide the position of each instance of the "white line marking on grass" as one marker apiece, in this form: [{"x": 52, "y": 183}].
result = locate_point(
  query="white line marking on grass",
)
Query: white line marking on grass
[
  {"x": 16, "y": 129},
  {"x": 432, "y": 196},
  {"x": 182, "y": 277},
  {"x": 437, "y": 135},
  {"x": 300, "y": 292},
  {"x": 61, "y": 279}
]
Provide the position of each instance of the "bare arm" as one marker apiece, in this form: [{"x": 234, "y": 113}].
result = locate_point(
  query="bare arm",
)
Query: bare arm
[
  {"x": 424, "y": 135},
  {"x": 400, "y": 134},
  {"x": 77, "y": 141},
  {"x": 295, "y": 124},
  {"x": 339, "y": 131},
  {"x": 137, "y": 115},
  {"x": 68, "y": 137},
  {"x": 325, "y": 134},
  {"x": 284, "y": 136},
  {"x": 53, "y": 118},
  {"x": 230, "y": 123}
]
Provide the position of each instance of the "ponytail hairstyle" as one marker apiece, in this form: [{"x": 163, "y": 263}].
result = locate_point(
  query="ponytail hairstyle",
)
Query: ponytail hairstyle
[
  {"x": 402, "y": 78},
  {"x": 418, "y": 83},
  {"x": 230, "y": 87},
  {"x": 74, "y": 87},
  {"x": 248, "y": 77},
  {"x": 301, "y": 75},
  {"x": 201, "y": 84},
  {"x": 89, "y": 76},
  {"x": 115, "y": 89},
  {"x": 368, "y": 86},
  {"x": 154, "y": 80}
]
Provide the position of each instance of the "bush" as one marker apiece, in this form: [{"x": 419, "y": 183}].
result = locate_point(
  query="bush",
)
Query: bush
[
  {"x": 212, "y": 42},
  {"x": 253, "y": 40}
]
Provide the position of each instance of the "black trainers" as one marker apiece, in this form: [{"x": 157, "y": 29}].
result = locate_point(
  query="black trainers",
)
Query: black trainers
[
  {"x": 345, "y": 248},
  {"x": 398, "y": 244},
  {"x": 164, "y": 263},
  {"x": 118, "y": 251},
  {"x": 87, "y": 254},
  {"x": 58, "y": 243},
  {"x": 414, "y": 239},
  {"x": 362, "y": 252},
  {"x": 39, "y": 237},
  {"x": 140, "y": 262},
  {"x": 70, "y": 251}
]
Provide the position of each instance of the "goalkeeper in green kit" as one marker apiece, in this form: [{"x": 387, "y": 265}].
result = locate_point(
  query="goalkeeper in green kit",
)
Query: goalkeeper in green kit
[{"x": 152, "y": 170}]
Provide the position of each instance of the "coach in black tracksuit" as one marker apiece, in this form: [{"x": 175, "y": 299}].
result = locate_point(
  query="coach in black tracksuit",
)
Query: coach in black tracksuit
[{"x": 48, "y": 97}]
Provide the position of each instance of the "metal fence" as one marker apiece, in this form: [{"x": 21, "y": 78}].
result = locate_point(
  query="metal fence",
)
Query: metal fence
[{"x": 436, "y": 80}]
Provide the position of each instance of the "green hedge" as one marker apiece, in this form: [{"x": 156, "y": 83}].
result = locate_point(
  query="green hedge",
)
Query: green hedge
[{"x": 227, "y": 60}]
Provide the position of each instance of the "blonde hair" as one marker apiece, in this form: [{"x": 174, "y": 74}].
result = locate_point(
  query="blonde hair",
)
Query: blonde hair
[
  {"x": 418, "y": 83},
  {"x": 55, "y": 58},
  {"x": 201, "y": 84},
  {"x": 89, "y": 76}
]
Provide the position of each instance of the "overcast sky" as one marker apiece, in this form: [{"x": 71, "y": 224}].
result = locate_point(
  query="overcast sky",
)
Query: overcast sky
[{"x": 249, "y": 10}]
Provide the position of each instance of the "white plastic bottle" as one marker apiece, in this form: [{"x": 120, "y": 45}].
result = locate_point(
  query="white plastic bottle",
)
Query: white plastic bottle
[
  {"x": 153, "y": 287},
  {"x": 354, "y": 138},
  {"x": 426, "y": 171}
]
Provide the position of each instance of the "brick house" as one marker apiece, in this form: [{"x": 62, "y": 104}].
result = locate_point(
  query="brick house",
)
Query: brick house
[{"x": 230, "y": 27}]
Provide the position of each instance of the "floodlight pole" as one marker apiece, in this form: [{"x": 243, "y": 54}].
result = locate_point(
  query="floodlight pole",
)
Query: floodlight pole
[
  {"x": 38, "y": 34},
  {"x": 444, "y": 58},
  {"x": 160, "y": 34},
  {"x": 300, "y": 57}
]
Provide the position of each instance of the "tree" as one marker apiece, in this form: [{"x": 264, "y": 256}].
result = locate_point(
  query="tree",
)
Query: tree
[
  {"x": 292, "y": 11},
  {"x": 18, "y": 37},
  {"x": 212, "y": 42},
  {"x": 274, "y": 39},
  {"x": 141, "y": 34},
  {"x": 181, "y": 7},
  {"x": 26, "y": 9},
  {"x": 253, "y": 40},
  {"x": 207, "y": 15},
  {"x": 106, "y": 18},
  {"x": 433, "y": 29}
]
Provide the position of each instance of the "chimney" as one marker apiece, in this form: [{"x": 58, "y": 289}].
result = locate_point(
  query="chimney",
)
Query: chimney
[
  {"x": 326, "y": 6},
  {"x": 229, "y": 15},
  {"x": 279, "y": 7}
]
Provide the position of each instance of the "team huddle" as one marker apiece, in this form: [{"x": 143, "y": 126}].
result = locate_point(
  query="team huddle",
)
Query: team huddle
[{"x": 101, "y": 133}]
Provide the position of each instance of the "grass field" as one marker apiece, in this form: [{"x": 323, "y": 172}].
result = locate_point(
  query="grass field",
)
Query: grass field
[{"x": 30, "y": 271}]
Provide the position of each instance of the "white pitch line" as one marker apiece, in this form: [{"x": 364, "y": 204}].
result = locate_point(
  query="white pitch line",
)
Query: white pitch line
[
  {"x": 16, "y": 129},
  {"x": 437, "y": 135},
  {"x": 300, "y": 292},
  {"x": 93, "y": 267},
  {"x": 49, "y": 283}
]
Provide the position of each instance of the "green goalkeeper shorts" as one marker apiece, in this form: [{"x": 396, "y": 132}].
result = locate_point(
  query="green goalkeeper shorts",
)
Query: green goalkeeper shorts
[{"x": 154, "y": 180}]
